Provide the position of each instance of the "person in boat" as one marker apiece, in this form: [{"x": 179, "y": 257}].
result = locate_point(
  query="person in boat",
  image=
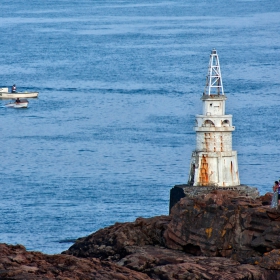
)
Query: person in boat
[
  {"x": 17, "y": 100},
  {"x": 14, "y": 88}
]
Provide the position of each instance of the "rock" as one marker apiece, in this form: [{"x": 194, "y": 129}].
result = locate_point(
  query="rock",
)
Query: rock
[
  {"x": 180, "y": 191},
  {"x": 110, "y": 243},
  {"x": 17, "y": 263},
  {"x": 270, "y": 260},
  {"x": 162, "y": 263},
  {"x": 216, "y": 227},
  {"x": 223, "y": 224},
  {"x": 219, "y": 234}
]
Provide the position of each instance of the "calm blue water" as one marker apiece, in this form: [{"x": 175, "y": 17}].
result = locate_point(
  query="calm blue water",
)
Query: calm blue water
[{"x": 120, "y": 83}]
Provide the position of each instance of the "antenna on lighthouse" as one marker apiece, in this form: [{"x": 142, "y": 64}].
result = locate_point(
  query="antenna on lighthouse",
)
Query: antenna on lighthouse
[{"x": 214, "y": 83}]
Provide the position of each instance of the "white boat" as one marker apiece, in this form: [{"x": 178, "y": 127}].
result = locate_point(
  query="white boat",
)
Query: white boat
[
  {"x": 5, "y": 94},
  {"x": 21, "y": 103}
]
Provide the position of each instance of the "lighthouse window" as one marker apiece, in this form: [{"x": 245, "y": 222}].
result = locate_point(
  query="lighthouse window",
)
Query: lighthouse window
[
  {"x": 208, "y": 123},
  {"x": 210, "y": 104},
  {"x": 225, "y": 123}
]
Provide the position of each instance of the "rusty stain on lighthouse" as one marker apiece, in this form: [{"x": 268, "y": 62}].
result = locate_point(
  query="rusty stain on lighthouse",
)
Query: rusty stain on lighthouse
[{"x": 213, "y": 162}]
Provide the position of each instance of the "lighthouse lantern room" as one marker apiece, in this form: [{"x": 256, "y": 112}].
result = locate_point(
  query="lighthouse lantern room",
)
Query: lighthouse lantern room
[{"x": 213, "y": 162}]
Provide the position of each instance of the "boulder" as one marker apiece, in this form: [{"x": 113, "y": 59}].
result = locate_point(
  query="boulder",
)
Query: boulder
[{"x": 110, "y": 243}]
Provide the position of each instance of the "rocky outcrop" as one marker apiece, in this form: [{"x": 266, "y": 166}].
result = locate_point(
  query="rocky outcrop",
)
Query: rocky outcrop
[
  {"x": 112, "y": 243},
  {"x": 223, "y": 224},
  {"x": 17, "y": 263},
  {"x": 215, "y": 235},
  {"x": 204, "y": 237},
  {"x": 162, "y": 263}
]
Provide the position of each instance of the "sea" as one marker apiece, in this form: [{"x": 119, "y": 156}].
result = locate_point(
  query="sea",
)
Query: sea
[{"x": 119, "y": 86}]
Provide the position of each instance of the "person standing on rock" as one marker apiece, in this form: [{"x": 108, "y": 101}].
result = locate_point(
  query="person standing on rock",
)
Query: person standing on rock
[
  {"x": 276, "y": 186},
  {"x": 278, "y": 192},
  {"x": 275, "y": 197}
]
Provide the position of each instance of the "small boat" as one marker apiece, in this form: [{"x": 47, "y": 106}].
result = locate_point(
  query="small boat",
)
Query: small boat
[
  {"x": 19, "y": 103},
  {"x": 5, "y": 94}
]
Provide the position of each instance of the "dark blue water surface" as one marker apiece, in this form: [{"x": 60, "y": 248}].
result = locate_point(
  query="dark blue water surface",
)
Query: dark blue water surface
[{"x": 120, "y": 84}]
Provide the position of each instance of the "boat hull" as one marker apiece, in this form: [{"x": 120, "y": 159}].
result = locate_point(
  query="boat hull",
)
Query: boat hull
[
  {"x": 5, "y": 95},
  {"x": 20, "y": 104},
  {"x": 17, "y": 105}
]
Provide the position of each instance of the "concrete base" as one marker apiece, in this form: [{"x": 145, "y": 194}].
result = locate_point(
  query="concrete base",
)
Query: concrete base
[{"x": 180, "y": 191}]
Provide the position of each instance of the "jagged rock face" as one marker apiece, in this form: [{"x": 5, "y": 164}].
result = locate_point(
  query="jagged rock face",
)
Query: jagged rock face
[
  {"x": 203, "y": 238},
  {"x": 162, "y": 263},
  {"x": 219, "y": 224},
  {"x": 218, "y": 235},
  {"x": 141, "y": 263},
  {"x": 223, "y": 224},
  {"x": 111, "y": 242},
  {"x": 17, "y": 263}
]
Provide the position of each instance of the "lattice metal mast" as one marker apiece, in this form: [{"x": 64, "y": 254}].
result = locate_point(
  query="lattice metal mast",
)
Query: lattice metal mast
[{"x": 214, "y": 83}]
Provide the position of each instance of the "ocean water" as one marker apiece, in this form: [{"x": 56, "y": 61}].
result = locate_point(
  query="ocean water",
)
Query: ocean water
[{"x": 120, "y": 84}]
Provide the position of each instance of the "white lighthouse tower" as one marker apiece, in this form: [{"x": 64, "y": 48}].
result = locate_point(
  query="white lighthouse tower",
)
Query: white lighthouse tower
[{"x": 214, "y": 163}]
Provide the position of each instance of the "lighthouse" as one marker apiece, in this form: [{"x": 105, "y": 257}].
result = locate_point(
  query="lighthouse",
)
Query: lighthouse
[{"x": 213, "y": 162}]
